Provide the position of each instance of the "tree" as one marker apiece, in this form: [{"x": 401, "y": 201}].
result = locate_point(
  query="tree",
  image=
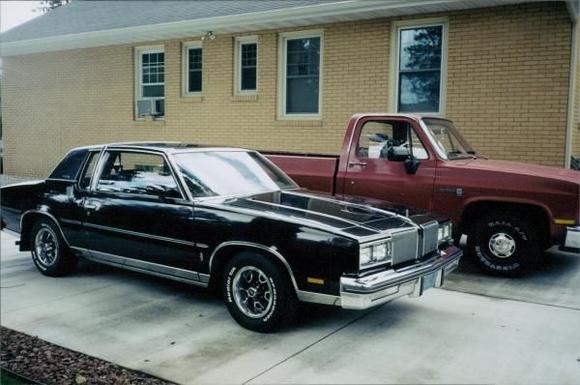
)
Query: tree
[{"x": 47, "y": 5}]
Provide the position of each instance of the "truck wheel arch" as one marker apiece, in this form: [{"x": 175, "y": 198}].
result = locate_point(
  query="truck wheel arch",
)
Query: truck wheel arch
[
  {"x": 227, "y": 250},
  {"x": 533, "y": 210}
]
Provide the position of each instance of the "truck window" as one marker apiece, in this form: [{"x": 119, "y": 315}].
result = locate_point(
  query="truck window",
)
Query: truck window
[
  {"x": 69, "y": 167},
  {"x": 389, "y": 141}
]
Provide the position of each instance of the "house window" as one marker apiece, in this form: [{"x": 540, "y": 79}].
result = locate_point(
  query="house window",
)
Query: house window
[
  {"x": 193, "y": 68},
  {"x": 151, "y": 82},
  {"x": 246, "y": 62},
  {"x": 420, "y": 64},
  {"x": 301, "y": 80}
]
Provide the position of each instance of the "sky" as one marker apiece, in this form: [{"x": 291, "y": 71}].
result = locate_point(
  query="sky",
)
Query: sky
[{"x": 13, "y": 13}]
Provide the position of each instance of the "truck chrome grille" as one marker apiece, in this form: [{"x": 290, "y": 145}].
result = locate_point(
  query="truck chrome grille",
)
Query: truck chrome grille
[
  {"x": 405, "y": 245},
  {"x": 430, "y": 233}
]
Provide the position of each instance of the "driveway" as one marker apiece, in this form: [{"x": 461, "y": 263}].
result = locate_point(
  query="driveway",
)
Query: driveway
[{"x": 478, "y": 330}]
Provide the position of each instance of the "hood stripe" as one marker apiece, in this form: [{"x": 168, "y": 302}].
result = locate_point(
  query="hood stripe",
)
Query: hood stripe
[{"x": 316, "y": 213}]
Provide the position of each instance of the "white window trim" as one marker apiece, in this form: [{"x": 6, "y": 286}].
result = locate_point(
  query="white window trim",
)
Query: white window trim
[
  {"x": 394, "y": 70},
  {"x": 138, "y": 52},
  {"x": 185, "y": 67},
  {"x": 239, "y": 41},
  {"x": 283, "y": 37}
]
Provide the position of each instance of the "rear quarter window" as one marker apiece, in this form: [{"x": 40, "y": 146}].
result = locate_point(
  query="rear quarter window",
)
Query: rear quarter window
[{"x": 69, "y": 167}]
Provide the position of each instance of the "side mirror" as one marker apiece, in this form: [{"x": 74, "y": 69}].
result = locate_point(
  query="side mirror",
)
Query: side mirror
[{"x": 412, "y": 165}]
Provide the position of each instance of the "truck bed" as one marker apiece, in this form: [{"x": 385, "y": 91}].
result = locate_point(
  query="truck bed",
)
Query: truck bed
[{"x": 313, "y": 171}]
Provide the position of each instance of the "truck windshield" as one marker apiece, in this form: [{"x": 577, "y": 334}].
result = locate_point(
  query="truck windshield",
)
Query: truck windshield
[
  {"x": 227, "y": 173},
  {"x": 448, "y": 140}
]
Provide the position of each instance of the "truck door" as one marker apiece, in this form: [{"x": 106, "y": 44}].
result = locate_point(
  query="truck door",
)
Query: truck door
[{"x": 376, "y": 164}]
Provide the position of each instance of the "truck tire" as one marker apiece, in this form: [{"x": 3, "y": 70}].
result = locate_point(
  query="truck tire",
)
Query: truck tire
[
  {"x": 258, "y": 293},
  {"x": 50, "y": 253},
  {"x": 505, "y": 243}
]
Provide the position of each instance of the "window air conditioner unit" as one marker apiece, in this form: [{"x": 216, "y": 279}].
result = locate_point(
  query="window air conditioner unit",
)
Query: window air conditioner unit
[{"x": 151, "y": 107}]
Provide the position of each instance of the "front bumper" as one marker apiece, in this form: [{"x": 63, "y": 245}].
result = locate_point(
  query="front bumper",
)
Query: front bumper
[
  {"x": 384, "y": 286},
  {"x": 572, "y": 239}
]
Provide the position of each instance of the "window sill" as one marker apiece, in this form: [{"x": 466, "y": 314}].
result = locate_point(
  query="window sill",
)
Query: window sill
[
  {"x": 245, "y": 98},
  {"x": 149, "y": 121},
  {"x": 314, "y": 122},
  {"x": 192, "y": 98}
]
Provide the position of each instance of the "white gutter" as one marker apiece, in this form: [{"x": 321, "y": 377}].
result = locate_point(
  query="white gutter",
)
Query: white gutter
[
  {"x": 571, "y": 93},
  {"x": 284, "y": 18}
]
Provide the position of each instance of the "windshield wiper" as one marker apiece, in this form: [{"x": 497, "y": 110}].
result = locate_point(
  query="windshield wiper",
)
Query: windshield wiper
[{"x": 460, "y": 155}]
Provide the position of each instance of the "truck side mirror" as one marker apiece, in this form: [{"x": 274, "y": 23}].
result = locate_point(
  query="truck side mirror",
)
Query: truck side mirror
[{"x": 412, "y": 165}]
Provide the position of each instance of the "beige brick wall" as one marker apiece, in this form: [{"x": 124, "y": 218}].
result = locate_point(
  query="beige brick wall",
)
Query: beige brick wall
[
  {"x": 507, "y": 90},
  {"x": 575, "y": 134}
]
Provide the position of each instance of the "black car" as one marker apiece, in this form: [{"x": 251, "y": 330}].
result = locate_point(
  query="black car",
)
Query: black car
[{"x": 227, "y": 217}]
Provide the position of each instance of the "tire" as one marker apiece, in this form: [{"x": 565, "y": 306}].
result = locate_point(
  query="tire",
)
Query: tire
[
  {"x": 505, "y": 243},
  {"x": 50, "y": 253},
  {"x": 253, "y": 277}
]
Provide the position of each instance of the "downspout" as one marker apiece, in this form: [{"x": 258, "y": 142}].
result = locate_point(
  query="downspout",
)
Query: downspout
[{"x": 571, "y": 93}]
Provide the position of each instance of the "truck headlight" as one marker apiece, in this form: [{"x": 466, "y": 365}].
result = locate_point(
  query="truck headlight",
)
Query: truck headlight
[
  {"x": 375, "y": 254},
  {"x": 445, "y": 232}
]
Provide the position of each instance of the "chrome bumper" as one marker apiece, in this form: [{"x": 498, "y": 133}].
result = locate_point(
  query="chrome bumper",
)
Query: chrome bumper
[
  {"x": 375, "y": 289},
  {"x": 572, "y": 238}
]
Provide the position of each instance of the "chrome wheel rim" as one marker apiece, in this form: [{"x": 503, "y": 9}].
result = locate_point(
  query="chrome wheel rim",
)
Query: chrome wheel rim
[
  {"x": 253, "y": 293},
  {"x": 502, "y": 245},
  {"x": 46, "y": 246}
]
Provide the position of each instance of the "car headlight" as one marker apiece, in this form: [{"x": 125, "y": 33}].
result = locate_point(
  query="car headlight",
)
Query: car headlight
[
  {"x": 445, "y": 232},
  {"x": 375, "y": 254}
]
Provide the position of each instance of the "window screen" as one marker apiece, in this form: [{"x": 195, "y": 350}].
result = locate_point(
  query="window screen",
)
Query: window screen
[{"x": 302, "y": 75}]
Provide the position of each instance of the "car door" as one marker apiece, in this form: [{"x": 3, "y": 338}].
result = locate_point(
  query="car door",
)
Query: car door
[
  {"x": 136, "y": 213},
  {"x": 376, "y": 164}
]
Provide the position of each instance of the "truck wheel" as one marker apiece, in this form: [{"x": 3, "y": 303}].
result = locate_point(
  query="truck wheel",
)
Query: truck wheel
[
  {"x": 504, "y": 244},
  {"x": 50, "y": 253},
  {"x": 258, "y": 293}
]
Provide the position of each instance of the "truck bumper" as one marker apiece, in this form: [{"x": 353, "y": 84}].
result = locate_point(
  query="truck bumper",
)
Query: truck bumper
[
  {"x": 384, "y": 286},
  {"x": 571, "y": 239}
]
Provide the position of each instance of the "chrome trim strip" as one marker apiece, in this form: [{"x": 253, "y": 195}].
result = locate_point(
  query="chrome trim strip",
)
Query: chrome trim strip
[
  {"x": 324, "y": 299},
  {"x": 48, "y": 215},
  {"x": 272, "y": 250},
  {"x": 138, "y": 234},
  {"x": 63, "y": 180},
  {"x": 71, "y": 221},
  {"x": 151, "y": 268}
]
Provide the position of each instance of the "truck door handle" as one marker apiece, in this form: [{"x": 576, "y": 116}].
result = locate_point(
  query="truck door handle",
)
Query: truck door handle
[{"x": 357, "y": 164}]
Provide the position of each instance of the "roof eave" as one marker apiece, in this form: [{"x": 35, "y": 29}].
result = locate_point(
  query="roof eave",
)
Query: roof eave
[{"x": 347, "y": 10}]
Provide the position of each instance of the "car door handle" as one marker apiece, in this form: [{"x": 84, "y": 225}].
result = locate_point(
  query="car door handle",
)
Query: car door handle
[
  {"x": 91, "y": 206},
  {"x": 357, "y": 164}
]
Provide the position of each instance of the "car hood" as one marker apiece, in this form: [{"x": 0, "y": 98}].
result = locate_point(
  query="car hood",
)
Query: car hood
[
  {"x": 321, "y": 212},
  {"x": 520, "y": 168}
]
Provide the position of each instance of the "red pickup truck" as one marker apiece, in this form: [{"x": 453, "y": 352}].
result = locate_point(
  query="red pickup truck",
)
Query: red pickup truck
[{"x": 510, "y": 211}]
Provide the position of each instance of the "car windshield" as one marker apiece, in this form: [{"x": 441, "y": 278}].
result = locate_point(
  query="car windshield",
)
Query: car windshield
[
  {"x": 226, "y": 173},
  {"x": 448, "y": 140}
]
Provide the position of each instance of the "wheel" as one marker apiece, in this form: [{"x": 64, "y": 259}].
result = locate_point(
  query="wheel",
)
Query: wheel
[
  {"x": 258, "y": 293},
  {"x": 505, "y": 243},
  {"x": 50, "y": 253}
]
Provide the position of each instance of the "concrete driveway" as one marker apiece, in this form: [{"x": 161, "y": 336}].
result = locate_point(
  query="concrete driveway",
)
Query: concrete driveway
[{"x": 479, "y": 330}]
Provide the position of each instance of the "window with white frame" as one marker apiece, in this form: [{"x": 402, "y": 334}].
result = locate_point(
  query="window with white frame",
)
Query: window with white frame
[
  {"x": 193, "y": 68},
  {"x": 246, "y": 62},
  {"x": 301, "y": 58},
  {"x": 420, "y": 67},
  {"x": 151, "y": 81}
]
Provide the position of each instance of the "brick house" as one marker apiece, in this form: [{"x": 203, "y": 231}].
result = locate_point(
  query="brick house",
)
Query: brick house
[{"x": 286, "y": 75}]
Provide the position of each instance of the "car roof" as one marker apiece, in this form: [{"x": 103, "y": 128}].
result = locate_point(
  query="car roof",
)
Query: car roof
[{"x": 166, "y": 147}]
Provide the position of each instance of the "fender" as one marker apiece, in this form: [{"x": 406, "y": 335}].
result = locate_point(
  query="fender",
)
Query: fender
[
  {"x": 43, "y": 213},
  {"x": 494, "y": 199},
  {"x": 270, "y": 250}
]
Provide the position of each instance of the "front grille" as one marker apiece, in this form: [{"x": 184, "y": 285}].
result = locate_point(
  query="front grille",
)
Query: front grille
[
  {"x": 430, "y": 237},
  {"x": 405, "y": 243}
]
